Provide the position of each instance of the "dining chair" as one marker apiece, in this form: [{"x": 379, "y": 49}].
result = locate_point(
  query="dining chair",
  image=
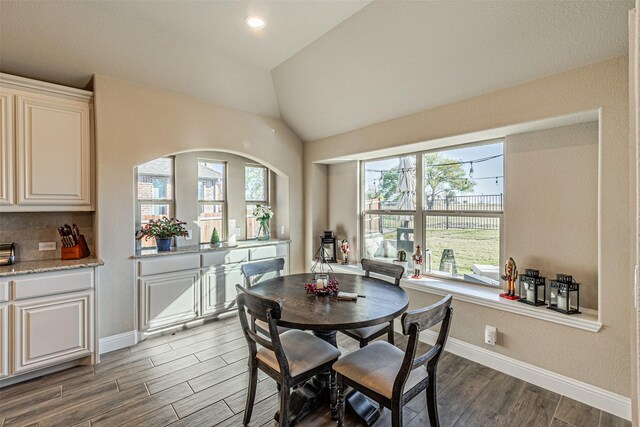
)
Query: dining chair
[
  {"x": 367, "y": 334},
  {"x": 255, "y": 271},
  {"x": 392, "y": 377},
  {"x": 289, "y": 358}
]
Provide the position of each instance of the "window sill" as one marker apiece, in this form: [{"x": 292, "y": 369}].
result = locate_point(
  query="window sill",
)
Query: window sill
[{"x": 485, "y": 296}]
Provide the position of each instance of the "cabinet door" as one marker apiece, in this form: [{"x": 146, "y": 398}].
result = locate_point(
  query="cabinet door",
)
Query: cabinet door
[
  {"x": 168, "y": 298},
  {"x": 6, "y": 147},
  {"x": 53, "y": 150},
  {"x": 4, "y": 340},
  {"x": 47, "y": 331},
  {"x": 219, "y": 288}
]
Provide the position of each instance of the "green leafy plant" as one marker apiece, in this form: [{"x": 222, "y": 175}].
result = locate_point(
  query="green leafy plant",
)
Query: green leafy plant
[
  {"x": 163, "y": 228},
  {"x": 215, "y": 237}
]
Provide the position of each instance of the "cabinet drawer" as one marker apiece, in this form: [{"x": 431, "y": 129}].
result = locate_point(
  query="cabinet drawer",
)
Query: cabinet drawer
[
  {"x": 4, "y": 290},
  {"x": 167, "y": 264},
  {"x": 48, "y": 331},
  {"x": 51, "y": 283},
  {"x": 263, "y": 252},
  {"x": 233, "y": 256}
]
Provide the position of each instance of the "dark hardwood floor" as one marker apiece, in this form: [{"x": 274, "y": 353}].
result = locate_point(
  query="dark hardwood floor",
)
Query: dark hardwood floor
[{"x": 198, "y": 377}]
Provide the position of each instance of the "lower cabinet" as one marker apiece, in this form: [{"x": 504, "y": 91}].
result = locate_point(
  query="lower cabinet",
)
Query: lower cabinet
[
  {"x": 219, "y": 288},
  {"x": 51, "y": 330},
  {"x": 4, "y": 340},
  {"x": 169, "y": 298}
]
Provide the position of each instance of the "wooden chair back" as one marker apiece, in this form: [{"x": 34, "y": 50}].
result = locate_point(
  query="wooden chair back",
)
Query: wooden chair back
[
  {"x": 418, "y": 320},
  {"x": 384, "y": 268},
  {"x": 254, "y": 269},
  {"x": 267, "y": 310}
]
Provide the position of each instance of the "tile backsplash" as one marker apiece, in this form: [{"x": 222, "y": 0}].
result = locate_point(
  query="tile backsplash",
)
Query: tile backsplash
[{"x": 27, "y": 229}]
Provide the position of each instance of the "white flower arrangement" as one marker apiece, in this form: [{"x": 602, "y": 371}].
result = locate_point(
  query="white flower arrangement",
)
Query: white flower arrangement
[{"x": 262, "y": 212}]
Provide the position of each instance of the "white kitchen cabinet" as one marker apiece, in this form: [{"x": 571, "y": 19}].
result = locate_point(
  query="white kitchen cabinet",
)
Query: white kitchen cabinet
[
  {"x": 46, "y": 147},
  {"x": 219, "y": 288},
  {"x": 4, "y": 340},
  {"x": 51, "y": 330},
  {"x": 6, "y": 147},
  {"x": 169, "y": 298}
]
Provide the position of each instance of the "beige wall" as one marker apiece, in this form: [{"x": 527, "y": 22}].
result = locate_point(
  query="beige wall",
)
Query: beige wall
[
  {"x": 551, "y": 204},
  {"x": 601, "y": 359},
  {"x": 342, "y": 199},
  {"x": 135, "y": 124}
]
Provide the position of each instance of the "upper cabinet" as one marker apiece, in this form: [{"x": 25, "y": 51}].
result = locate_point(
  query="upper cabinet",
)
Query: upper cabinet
[{"x": 47, "y": 147}]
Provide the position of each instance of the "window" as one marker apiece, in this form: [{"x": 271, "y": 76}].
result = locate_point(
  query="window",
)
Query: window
[
  {"x": 459, "y": 216},
  {"x": 155, "y": 192},
  {"x": 256, "y": 192},
  {"x": 390, "y": 203},
  {"x": 211, "y": 199}
]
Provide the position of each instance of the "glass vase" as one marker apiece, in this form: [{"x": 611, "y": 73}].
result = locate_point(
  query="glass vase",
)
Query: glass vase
[{"x": 263, "y": 230}]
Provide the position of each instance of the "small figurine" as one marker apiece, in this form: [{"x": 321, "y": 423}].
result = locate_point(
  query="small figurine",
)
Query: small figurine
[
  {"x": 510, "y": 276},
  {"x": 344, "y": 248},
  {"x": 417, "y": 263}
]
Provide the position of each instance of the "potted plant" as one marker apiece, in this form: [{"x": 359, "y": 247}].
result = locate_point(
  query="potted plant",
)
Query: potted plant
[
  {"x": 163, "y": 230},
  {"x": 263, "y": 214}
]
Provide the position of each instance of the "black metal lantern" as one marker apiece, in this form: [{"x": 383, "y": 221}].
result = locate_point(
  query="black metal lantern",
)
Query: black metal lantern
[
  {"x": 329, "y": 245},
  {"x": 564, "y": 295},
  {"x": 532, "y": 288}
]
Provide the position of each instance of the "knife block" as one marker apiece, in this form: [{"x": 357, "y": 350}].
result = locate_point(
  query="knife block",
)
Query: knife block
[{"x": 81, "y": 250}]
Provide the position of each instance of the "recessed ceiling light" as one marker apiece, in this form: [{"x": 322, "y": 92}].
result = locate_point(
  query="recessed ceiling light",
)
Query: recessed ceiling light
[{"x": 255, "y": 21}]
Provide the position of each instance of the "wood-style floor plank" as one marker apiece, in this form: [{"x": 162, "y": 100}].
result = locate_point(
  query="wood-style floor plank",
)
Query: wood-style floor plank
[
  {"x": 142, "y": 406},
  {"x": 577, "y": 413},
  {"x": 198, "y": 377},
  {"x": 531, "y": 410}
]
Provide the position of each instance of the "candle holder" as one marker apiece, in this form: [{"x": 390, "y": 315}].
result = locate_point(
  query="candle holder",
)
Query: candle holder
[
  {"x": 564, "y": 295},
  {"x": 322, "y": 285},
  {"x": 532, "y": 288}
]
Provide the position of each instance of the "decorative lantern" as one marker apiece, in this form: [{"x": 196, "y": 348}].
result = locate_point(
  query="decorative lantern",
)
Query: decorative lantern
[
  {"x": 564, "y": 295},
  {"x": 329, "y": 245},
  {"x": 532, "y": 288}
]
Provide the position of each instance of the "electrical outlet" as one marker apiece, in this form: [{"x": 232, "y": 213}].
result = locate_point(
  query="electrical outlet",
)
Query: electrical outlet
[
  {"x": 282, "y": 230},
  {"x": 47, "y": 246},
  {"x": 189, "y": 234},
  {"x": 490, "y": 335},
  {"x": 238, "y": 231}
]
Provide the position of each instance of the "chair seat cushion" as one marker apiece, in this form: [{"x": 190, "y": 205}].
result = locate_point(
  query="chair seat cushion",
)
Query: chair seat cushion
[
  {"x": 303, "y": 351},
  {"x": 265, "y": 327},
  {"x": 376, "y": 367},
  {"x": 368, "y": 331}
]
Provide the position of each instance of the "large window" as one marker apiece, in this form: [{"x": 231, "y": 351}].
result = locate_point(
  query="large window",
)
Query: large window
[
  {"x": 453, "y": 209},
  {"x": 211, "y": 199},
  {"x": 256, "y": 192},
  {"x": 155, "y": 192}
]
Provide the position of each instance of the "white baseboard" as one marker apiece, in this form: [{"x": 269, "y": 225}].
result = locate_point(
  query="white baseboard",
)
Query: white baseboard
[
  {"x": 577, "y": 390},
  {"x": 116, "y": 342}
]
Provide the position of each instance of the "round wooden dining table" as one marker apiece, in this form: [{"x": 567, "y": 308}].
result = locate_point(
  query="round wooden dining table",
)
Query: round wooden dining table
[{"x": 378, "y": 302}]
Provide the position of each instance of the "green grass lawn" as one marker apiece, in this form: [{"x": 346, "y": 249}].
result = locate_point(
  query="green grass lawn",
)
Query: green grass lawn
[{"x": 469, "y": 247}]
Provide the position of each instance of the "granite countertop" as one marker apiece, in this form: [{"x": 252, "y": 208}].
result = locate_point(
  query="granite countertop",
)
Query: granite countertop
[
  {"x": 44, "y": 265},
  {"x": 206, "y": 247}
]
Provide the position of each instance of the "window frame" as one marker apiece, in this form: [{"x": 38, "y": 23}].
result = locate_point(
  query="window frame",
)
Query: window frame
[
  {"x": 267, "y": 193},
  {"x": 223, "y": 202},
  {"x": 171, "y": 202},
  {"x": 420, "y": 214}
]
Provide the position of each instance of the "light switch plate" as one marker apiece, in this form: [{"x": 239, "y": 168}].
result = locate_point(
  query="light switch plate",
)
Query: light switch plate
[
  {"x": 47, "y": 246},
  {"x": 189, "y": 235}
]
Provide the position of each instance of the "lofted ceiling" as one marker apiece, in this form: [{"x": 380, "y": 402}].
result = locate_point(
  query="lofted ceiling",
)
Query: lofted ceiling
[{"x": 325, "y": 67}]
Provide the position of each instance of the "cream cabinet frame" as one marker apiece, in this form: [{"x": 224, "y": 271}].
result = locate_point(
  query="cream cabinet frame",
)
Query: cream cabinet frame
[
  {"x": 4, "y": 340},
  {"x": 51, "y": 330},
  {"x": 169, "y": 298},
  {"x": 46, "y": 147}
]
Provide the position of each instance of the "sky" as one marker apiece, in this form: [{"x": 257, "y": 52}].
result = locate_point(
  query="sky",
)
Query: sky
[{"x": 491, "y": 169}]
